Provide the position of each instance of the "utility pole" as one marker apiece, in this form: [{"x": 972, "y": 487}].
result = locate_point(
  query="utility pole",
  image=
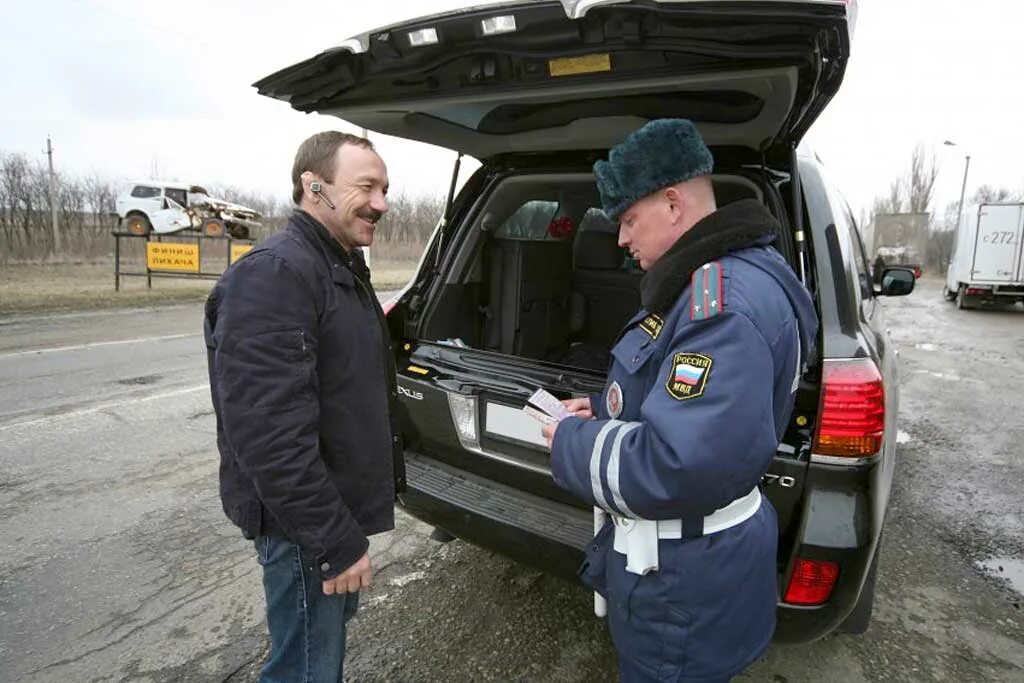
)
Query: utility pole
[
  {"x": 963, "y": 189},
  {"x": 53, "y": 197}
]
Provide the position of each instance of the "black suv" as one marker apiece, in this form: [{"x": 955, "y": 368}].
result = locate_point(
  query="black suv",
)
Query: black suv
[{"x": 523, "y": 284}]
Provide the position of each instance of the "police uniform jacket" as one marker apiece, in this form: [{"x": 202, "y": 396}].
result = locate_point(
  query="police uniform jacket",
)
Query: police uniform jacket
[
  {"x": 303, "y": 386},
  {"x": 700, "y": 391}
]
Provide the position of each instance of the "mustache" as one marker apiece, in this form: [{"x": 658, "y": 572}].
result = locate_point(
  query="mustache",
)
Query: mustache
[{"x": 371, "y": 215}]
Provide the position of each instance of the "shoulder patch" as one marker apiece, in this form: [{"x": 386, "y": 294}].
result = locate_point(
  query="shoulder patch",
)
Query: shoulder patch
[
  {"x": 706, "y": 291},
  {"x": 688, "y": 375},
  {"x": 652, "y": 325}
]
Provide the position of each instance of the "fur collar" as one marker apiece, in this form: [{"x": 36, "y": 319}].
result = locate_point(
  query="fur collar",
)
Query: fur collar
[{"x": 742, "y": 224}]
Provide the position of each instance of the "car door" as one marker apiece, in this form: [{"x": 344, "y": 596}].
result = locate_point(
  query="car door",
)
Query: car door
[
  {"x": 170, "y": 219},
  {"x": 582, "y": 75},
  {"x": 145, "y": 198},
  {"x": 998, "y": 243},
  {"x": 876, "y": 333}
]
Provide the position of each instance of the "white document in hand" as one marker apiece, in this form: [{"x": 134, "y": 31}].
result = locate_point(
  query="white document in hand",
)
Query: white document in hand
[
  {"x": 547, "y": 405},
  {"x": 538, "y": 415}
]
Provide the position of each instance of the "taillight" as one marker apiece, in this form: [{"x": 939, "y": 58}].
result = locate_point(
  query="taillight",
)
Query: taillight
[
  {"x": 851, "y": 418},
  {"x": 812, "y": 582}
]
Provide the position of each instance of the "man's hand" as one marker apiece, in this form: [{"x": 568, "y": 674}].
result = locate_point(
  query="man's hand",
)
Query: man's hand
[
  {"x": 579, "y": 407},
  {"x": 359, "y": 575}
]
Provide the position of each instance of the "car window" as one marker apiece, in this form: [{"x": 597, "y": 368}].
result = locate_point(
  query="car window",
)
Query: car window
[
  {"x": 145, "y": 192},
  {"x": 594, "y": 220},
  {"x": 176, "y": 195},
  {"x": 845, "y": 225},
  {"x": 867, "y": 290},
  {"x": 529, "y": 222}
]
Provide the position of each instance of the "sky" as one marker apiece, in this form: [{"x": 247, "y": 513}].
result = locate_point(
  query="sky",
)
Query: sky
[{"x": 144, "y": 89}]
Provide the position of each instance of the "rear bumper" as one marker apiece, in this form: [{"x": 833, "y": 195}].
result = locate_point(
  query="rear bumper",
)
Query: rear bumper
[
  {"x": 533, "y": 530},
  {"x": 550, "y": 536},
  {"x": 994, "y": 293}
]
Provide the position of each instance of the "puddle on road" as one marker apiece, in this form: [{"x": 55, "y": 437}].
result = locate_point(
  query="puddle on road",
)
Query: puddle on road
[
  {"x": 925, "y": 347},
  {"x": 1006, "y": 568},
  {"x": 903, "y": 437}
]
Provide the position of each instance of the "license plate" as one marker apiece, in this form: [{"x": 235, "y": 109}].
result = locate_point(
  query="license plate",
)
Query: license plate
[{"x": 513, "y": 423}]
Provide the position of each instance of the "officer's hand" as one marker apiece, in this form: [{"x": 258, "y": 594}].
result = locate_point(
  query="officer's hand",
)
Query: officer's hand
[
  {"x": 359, "y": 575},
  {"x": 580, "y": 407}
]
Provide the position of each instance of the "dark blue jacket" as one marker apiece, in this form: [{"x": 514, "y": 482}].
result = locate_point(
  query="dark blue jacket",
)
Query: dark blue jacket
[
  {"x": 706, "y": 395},
  {"x": 302, "y": 380},
  {"x": 700, "y": 392}
]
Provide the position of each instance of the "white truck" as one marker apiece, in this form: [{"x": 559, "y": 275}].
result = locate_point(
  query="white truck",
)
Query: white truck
[
  {"x": 987, "y": 265},
  {"x": 169, "y": 207}
]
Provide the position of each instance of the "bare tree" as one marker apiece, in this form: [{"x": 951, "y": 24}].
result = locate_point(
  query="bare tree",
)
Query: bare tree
[
  {"x": 920, "y": 181},
  {"x": 88, "y": 204},
  {"x": 20, "y": 202},
  {"x": 987, "y": 194},
  {"x": 941, "y": 239},
  {"x": 891, "y": 203},
  {"x": 405, "y": 228}
]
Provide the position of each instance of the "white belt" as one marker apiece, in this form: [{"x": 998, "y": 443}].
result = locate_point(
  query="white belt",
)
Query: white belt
[{"x": 637, "y": 539}]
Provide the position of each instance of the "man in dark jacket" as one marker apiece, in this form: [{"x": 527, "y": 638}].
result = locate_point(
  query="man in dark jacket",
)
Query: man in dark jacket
[
  {"x": 302, "y": 383},
  {"x": 700, "y": 391}
]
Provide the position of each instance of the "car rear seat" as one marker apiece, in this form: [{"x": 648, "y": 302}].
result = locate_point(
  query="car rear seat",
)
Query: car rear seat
[
  {"x": 605, "y": 294},
  {"x": 528, "y": 302}
]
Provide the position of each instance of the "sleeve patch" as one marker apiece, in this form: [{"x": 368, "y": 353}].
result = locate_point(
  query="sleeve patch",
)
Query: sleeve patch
[
  {"x": 652, "y": 325},
  {"x": 688, "y": 375}
]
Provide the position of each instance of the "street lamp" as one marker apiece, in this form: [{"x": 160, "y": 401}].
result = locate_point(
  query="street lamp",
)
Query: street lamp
[{"x": 963, "y": 188}]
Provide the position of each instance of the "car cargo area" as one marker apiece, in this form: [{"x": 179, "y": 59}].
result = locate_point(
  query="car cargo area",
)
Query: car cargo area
[{"x": 540, "y": 274}]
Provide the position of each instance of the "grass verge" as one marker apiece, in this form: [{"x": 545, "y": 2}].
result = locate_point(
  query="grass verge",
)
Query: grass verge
[{"x": 31, "y": 288}]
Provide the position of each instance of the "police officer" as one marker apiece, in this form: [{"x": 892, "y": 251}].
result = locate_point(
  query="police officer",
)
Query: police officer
[{"x": 700, "y": 391}]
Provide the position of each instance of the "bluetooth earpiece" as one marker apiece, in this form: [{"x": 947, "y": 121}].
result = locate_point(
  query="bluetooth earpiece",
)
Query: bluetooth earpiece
[{"x": 316, "y": 188}]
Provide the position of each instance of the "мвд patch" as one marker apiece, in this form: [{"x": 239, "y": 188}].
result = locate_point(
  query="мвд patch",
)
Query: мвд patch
[{"x": 688, "y": 375}]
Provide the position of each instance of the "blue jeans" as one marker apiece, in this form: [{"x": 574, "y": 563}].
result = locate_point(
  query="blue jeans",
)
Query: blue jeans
[{"x": 307, "y": 628}]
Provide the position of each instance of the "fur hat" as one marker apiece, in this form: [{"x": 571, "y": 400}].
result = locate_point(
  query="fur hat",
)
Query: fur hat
[{"x": 662, "y": 153}]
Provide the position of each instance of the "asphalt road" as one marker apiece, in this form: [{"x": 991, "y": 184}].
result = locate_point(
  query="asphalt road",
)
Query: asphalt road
[{"x": 116, "y": 562}]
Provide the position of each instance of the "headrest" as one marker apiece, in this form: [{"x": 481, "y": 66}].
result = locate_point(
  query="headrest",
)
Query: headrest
[{"x": 595, "y": 250}]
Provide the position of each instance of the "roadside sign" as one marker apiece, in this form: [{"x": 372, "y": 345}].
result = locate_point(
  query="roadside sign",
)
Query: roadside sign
[
  {"x": 172, "y": 256},
  {"x": 238, "y": 251},
  {"x": 180, "y": 259}
]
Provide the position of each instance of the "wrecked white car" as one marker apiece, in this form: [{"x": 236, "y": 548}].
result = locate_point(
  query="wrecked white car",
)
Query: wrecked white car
[{"x": 165, "y": 208}]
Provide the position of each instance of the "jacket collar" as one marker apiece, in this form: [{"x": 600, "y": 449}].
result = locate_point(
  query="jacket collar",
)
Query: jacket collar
[
  {"x": 341, "y": 263},
  {"x": 736, "y": 226}
]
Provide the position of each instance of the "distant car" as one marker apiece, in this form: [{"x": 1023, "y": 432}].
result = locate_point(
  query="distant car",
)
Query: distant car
[{"x": 164, "y": 208}]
